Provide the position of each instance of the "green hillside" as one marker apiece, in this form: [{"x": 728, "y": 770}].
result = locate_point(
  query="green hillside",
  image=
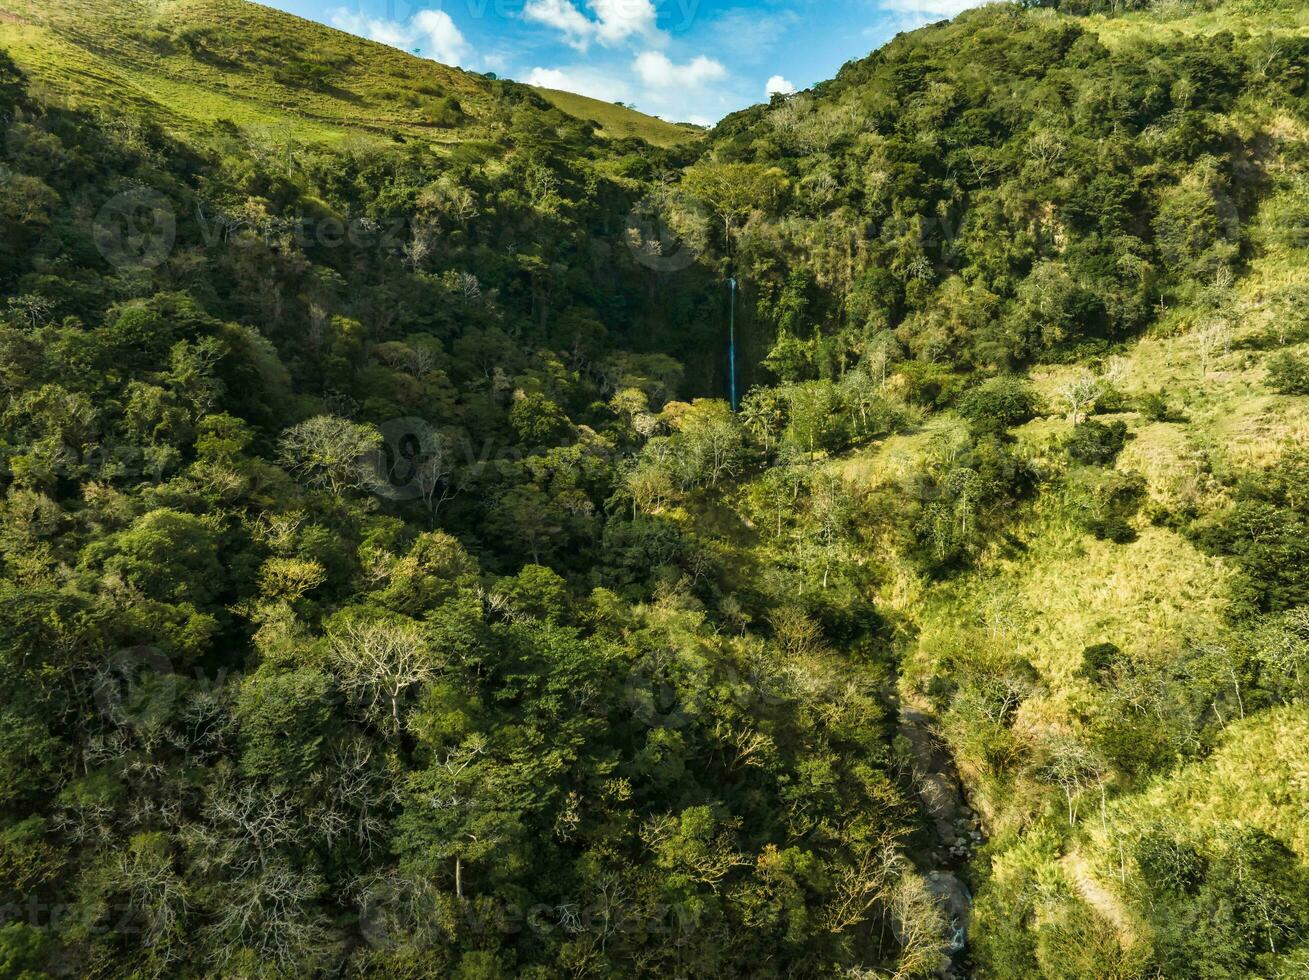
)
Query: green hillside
[
  {"x": 616, "y": 122},
  {"x": 1093, "y": 573},
  {"x": 194, "y": 63},
  {"x": 388, "y": 589}
]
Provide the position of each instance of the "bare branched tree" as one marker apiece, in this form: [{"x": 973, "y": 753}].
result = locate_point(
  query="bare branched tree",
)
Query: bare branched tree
[
  {"x": 379, "y": 661},
  {"x": 1079, "y": 395}
]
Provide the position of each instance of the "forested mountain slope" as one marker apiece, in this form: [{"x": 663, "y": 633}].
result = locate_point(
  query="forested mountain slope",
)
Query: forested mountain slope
[{"x": 386, "y": 589}]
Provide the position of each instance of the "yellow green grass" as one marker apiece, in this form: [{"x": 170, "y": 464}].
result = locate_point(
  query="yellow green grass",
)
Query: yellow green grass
[
  {"x": 616, "y": 122},
  {"x": 194, "y": 63}
]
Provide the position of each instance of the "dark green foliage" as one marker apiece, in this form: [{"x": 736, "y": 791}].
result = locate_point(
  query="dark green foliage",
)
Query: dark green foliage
[
  {"x": 371, "y": 605},
  {"x": 1222, "y": 914},
  {"x": 538, "y": 421},
  {"x": 936, "y": 154},
  {"x": 967, "y": 497},
  {"x": 1288, "y": 374},
  {"x": 1095, "y": 443},
  {"x": 999, "y": 404},
  {"x": 1267, "y": 533},
  {"x": 1097, "y": 661},
  {"x": 1271, "y": 545},
  {"x": 1105, "y": 502},
  {"x": 1170, "y": 866},
  {"x": 284, "y": 720},
  {"x": 22, "y": 951},
  {"x": 1154, "y": 407},
  {"x": 445, "y": 112},
  {"x": 318, "y": 582}
]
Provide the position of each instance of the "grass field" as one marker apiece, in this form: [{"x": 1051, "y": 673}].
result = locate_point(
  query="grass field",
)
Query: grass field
[
  {"x": 194, "y": 63},
  {"x": 615, "y": 122}
]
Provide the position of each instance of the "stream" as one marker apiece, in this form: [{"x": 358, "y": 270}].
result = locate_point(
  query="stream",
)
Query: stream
[{"x": 956, "y": 830}]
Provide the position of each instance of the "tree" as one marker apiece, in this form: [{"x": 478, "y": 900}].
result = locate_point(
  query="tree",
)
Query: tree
[
  {"x": 23, "y": 949},
  {"x": 378, "y": 660},
  {"x": 1289, "y": 374},
  {"x": 999, "y": 404},
  {"x": 708, "y": 446},
  {"x": 1073, "y": 766},
  {"x": 1096, "y": 444},
  {"x": 284, "y": 720},
  {"x": 461, "y": 807},
  {"x": 734, "y": 190},
  {"x": 330, "y": 453},
  {"x": 170, "y": 555},
  {"x": 814, "y": 418},
  {"x": 763, "y": 413},
  {"x": 536, "y": 591},
  {"x": 920, "y": 927},
  {"x": 1213, "y": 339},
  {"x": 1079, "y": 395},
  {"x": 538, "y": 420}
]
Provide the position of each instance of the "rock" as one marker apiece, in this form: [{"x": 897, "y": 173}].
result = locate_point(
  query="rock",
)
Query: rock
[{"x": 956, "y": 903}]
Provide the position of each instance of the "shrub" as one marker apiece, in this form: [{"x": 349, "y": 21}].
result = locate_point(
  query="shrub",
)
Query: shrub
[
  {"x": 1107, "y": 502},
  {"x": 999, "y": 404},
  {"x": 1097, "y": 443},
  {"x": 1153, "y": 407},
  {"x": 1289, "y": 374},
  {"x": 445, "y": 112},
  {"x": 1098, "y": 659},
  {"x": 1167, "y": 864},
  {"x": 1272, "y": 547}
]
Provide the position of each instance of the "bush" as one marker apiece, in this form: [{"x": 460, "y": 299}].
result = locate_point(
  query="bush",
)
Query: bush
[
  {"x": 1097, "y": 443},
  {"x": 1098, "y": 660},
  {"x": 445, "y": 112},
  {"x": 929, "y": 384},
  {"x": 1107, "y": 502},
  {"x": 1000, "y": 404},
  {"x": 1289, "y": 374},
  {"x": 1271, "y": 545},
  {"x": 1153, "y": 407},
  {"x": 1167, "y": 864}
]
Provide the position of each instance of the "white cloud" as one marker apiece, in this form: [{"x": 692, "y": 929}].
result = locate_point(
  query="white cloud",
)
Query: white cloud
[
  {"x": 433, "y": 32},
  {"x": 597, "y": 85},
  {"x": 777, "y": 85},
  {"x": 615, "y": 20},
  {"x": 564, "y": 17},
  {"x": 445, "y": 42},
  {"x": 621, "y": 19},
  {"x": 658, "y": 72}
]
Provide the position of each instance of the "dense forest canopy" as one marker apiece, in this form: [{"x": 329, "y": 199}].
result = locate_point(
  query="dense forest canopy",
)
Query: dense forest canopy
[{"x": 388, "y": 589}]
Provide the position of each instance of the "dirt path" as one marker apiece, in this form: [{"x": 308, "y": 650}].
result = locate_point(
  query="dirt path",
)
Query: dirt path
[{"x": 1104, "y": 902}]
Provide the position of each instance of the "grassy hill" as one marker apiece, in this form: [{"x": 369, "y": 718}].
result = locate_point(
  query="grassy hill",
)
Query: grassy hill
[
  {"x": 615, "y": 122},
  {"x": 194, "y": 63}
]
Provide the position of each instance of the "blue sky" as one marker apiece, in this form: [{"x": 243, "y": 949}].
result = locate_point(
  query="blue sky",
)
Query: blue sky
[{"x": 689, "y": 60}]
